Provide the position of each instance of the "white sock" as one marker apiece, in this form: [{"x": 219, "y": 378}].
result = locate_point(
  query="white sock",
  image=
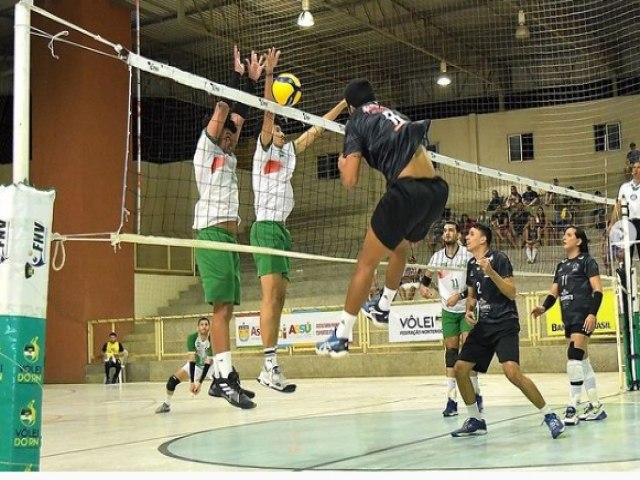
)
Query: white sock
[
  {"x": 347, "y": 321},
  {"x": 223, "y": 362},
  {"x": 473, "y": 411},
  {"x": 386, "y": 298},
  {"x": 270, "y": 358},
  {"x": 545, "y": 410},
  {"x": 590, "y": 382},
  {"x": 167, "y": 400},
  {"x": 452, "y": 390}
]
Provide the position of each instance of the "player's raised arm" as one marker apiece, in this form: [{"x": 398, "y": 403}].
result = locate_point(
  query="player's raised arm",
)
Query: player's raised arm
[
  {"x": 271, "y": 61},
  {"x": 312, "y": 134}
]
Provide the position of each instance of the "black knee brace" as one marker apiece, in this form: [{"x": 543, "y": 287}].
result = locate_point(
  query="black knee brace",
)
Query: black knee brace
[
  {"x": 450, "y": 357},
  {"x": 172, "y": 383},
  {"x": 574, "y": 353}
]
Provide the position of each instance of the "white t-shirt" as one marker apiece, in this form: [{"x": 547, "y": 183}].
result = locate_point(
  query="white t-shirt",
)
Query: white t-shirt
[
  {"x": 217, "y": 182},
  {"x": 452, "y": 281},
  {"x": 631, "y": 191},
  {"x": 271, "y": 177}
]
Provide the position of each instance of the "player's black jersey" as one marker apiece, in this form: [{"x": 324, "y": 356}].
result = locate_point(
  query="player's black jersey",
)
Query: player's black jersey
[
  {"x": 386, "y": 138},
  {"x": 574, "y": 290},
  {"x": 493, "y": 305}
]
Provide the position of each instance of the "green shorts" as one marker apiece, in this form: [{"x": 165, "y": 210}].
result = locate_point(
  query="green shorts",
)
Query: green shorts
[
  {"x": 272, "y": 235},
  {"x": 219, "y": 270},
  {"x": 453, "y": 324}
]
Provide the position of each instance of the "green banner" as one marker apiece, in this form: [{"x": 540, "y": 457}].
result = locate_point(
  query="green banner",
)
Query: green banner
[{"x": 21, "y": 378}]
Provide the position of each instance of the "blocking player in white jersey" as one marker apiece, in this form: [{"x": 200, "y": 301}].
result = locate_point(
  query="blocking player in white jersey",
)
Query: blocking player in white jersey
[
  {"x": 274, "y": 162},
  {"x": 453, "y": 292},
  {"x": 216, "y": 219}
]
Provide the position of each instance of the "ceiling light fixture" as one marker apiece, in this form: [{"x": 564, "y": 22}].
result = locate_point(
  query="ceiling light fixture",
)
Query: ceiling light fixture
[
  {"x": 305, "y": 19},
  {"x": 522, "y": 32},
  {"x": 443, "y": 79}
]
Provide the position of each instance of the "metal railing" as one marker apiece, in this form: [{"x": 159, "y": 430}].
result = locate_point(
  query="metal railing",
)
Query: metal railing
[{"x": 366, "y": 337}]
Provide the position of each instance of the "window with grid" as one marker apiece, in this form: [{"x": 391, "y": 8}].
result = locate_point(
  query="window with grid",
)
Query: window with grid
[
  {"x": 520, "y": 147},
  {"x": 607, "y": 136}
]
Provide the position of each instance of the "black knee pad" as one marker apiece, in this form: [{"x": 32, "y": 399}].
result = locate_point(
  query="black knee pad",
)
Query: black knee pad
[
  {"x": 574, "y": 353},
  {"x": 450, "y": 357},
  {"x": 172, "y": 383}
]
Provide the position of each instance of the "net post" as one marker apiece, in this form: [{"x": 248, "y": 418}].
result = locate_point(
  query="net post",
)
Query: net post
[{"x": 21, "y": 88}]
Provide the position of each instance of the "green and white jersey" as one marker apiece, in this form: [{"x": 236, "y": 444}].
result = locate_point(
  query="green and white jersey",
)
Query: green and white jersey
[
  {"x": 202, "y": 348},
  {"x": 451, "y": 281}
]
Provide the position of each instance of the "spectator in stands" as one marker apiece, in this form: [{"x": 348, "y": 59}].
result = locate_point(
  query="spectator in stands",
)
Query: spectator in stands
[
  {"x": 465, "y": 225},
  {"x": 541, "y": 225},
  {"x": 495, "y": 201},
  {"x": 518, "y": 222},
  {"x": 530, "y": 197},
  {"x": 550, "y": 197},
  {"x": 112, "y": 350},
  {"x": 483, "y": 218},
  {"x": 599, "y": 214},
  {"x": 513, "y": 199},
  {"x": 501, "y": 227},
  {"x": 410, "y": 281},
  {"x": 532, "y": 238}
]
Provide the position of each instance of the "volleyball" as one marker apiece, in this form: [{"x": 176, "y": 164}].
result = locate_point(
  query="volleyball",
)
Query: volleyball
[{"x": 286, "y": 89}]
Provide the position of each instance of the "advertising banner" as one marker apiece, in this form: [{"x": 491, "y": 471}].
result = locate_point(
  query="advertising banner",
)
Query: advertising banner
[
  {"x": 299, "y": 328},
  {"x": 607, "y": 317},
  {"x": 26, "y": 217}
]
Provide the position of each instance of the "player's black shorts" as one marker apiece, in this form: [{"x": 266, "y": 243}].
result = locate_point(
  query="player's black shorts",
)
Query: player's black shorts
[
  {"x": 485, "y": 339},
  {"x": 408, "y": 209},
  {"x": 575, "y": 327}
]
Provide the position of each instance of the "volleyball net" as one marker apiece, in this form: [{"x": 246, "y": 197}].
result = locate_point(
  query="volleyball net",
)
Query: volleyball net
[{"x": 529, "y": 163}]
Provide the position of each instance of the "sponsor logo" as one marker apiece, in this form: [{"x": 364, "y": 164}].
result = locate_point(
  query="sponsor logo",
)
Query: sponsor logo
[
  {"x": 244, "y": 332},
  {"x": 25, "y": 435},
  {"x": 38, "y": 247},
  {"x": 4, "y": 240}
]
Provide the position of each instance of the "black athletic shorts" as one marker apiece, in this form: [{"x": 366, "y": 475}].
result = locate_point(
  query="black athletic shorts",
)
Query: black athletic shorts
[
  {"x": 485, "y": 339},
  {"x": 408, "y": 209},
  {"x": 576, "y": 327}
]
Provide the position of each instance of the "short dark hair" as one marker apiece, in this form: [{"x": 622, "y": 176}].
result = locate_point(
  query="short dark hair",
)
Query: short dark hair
[
  {"x": 454, "y": 223},
  {"x": 358, "y": 92},
  {"x": 113, "y": 334},
  {"x": 206, "y": 319},
  {"x": 632, "y": 145},
  {"x": 485, "y": 229}
]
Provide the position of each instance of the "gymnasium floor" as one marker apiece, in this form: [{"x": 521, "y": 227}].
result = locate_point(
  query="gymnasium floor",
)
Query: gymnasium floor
[{"x": 353, "y": 425}]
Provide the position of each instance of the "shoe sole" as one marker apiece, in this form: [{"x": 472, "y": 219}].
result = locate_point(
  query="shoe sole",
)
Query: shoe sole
[
  {"x": 477, "y": 433},
  {"x": 455, "y": 414},
  {"x": 332, "y": 354},
  {"x": 218, "y": 394},
  {"x": 571, "y": 423},
  {"x": 601, "y": 416},
  {"x": 288, "y": 388}
]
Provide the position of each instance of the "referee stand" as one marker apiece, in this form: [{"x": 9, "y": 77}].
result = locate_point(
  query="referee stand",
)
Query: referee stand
[{"x": 629, "y": 310}]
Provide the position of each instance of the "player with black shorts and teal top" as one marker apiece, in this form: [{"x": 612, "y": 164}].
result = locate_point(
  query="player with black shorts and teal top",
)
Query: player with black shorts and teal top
[
  {"x": 496, "y": 331},
  {"x": 577, "y": 284},
  {"x": 415, "y": 198},
  {"x": 452, "y": 288}
]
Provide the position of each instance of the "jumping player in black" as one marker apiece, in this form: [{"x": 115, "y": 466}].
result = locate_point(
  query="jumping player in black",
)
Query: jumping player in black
[
  {"x": 415, "y": 198},
  {"x": 577, "y": 283},
  {"x": 496, "y": 329}
]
